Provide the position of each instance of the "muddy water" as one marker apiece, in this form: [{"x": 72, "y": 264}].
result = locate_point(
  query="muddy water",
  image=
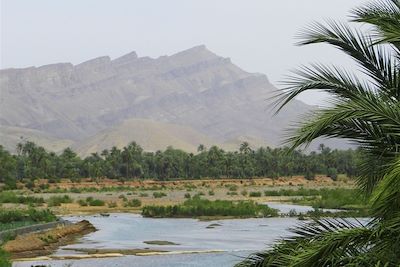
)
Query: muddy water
[{"x": 233, "y": 239}]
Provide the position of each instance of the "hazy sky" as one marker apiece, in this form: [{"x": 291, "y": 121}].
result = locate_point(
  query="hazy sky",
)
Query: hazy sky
[{"x": 258, "y": 35}]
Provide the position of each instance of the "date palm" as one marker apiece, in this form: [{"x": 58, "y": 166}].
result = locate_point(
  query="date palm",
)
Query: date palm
[{"x": 365, "y": 110}]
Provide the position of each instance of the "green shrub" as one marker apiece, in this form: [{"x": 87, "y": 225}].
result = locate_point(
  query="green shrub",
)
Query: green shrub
[
  {"x": 123, "y": 197},
  {"x": 187, "y": 195},
  {"x": 54, "y": 201},
  {"x": 133, "y": 203},
  {"x": 75, "y": 190},
  {"x": 255, "y": 194},
  {"x": 112, "y": 204},
  {"x": 232, "y": 187},
  {"x": 82, "y": 202},
  {"x": 90, "y": 201},
  {"x": 211, "y": 193},
  {"x": 159, "y": 194},
  {"x": 35, "y": 215},
  {"x": 94, "y": 202},
  {"x": 244, "y": 193},
  {"x": 4, "y": 259},
  {"x": 143, "y": 195}
]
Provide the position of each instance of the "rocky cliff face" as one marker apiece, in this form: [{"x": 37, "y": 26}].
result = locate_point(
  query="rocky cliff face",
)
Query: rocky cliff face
[{"x": 193, "y": 88}]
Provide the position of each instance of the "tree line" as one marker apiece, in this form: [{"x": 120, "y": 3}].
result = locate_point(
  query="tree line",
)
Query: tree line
[{"x": 32, "y": 161}]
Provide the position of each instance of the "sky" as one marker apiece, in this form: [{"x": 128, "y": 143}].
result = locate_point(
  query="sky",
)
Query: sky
[{"x": 258, "y": 35}]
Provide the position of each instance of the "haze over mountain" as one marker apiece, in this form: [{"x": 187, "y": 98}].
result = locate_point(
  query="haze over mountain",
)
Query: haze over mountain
[{"x": 182, "y": 100}]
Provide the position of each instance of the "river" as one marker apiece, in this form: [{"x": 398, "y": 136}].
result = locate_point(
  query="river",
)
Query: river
[{"x": 223, "y": 245}]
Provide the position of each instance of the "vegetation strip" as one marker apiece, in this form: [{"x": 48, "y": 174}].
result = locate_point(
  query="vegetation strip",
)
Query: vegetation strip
[{"x": 197, "y": 207}]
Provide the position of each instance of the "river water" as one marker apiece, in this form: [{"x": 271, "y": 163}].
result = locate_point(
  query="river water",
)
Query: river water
[{"x": 233, "y": 239}]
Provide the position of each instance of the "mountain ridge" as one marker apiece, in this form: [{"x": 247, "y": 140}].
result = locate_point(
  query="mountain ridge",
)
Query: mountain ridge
[{"x": 194, "y": 88}]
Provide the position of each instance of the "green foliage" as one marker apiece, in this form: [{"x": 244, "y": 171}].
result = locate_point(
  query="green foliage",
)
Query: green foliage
[
  {"x": 159, "y": 194},
  {"x": 35, "y": 215},
  {"x": 4, "y": 259},
  {"x": 112, "y": 204},
  {"x": 54, "y": 201},
  {"x": 187, "y": 195},
  {"x": 11, "y": 197},
  {"x": 327, "y": 198},
  {"x": 82, "y": 202},
  {"x": 197, "y": 207},
  {"x": 34, "y": 162},
  {"x": 133, "y": 203},
  {"x": 255, "y": 194},
  {"x": 366, "y": 111},
  {"x": 90, "y": 201},
  {"x": 211, "y": 193},
  {"x": 232, "y": 187}
]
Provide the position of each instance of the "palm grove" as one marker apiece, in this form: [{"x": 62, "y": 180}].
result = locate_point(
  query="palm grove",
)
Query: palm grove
[
  {"x": 32, "y": 162},
  {"x": 367, "y": 111}
]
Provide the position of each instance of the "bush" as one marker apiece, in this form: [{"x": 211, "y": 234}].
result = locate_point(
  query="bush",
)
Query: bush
[
  {"x": 57, "y": 200},
  {"x": 255, "y": 194},
  {"x": 143, "y": 195},
  {"x": 211, "y": 193},
  {"x": 90, "y": 201},
  {"x": 244, "y": 193},
  {"x": 232, "y": 187},
  {"x": 82, "y": 202},
  {"x": 332, "y": 173},
  {"x": 187, "y": 195},
  {"x": 123, "y": 197},
  {"x": 94, "y": 202},
  {"x": 133, "y": 203},
  {"x": 112, "y": 204},
  {"x": 75, "y": 190},
  {"x": 159, "y": 194}
]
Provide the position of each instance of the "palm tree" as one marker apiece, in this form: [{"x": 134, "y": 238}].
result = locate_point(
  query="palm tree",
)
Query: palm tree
[{"x": 365, "y": 111}]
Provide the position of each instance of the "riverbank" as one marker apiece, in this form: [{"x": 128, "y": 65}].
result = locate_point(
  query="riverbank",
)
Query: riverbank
[{"x": 46, "y": 242}]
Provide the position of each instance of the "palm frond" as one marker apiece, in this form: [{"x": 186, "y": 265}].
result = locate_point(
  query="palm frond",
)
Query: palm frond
[{"x": 385, "y": 16}]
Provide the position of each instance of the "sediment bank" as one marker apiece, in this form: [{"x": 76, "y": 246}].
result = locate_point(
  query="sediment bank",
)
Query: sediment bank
[{"x": 45, "y": 242}]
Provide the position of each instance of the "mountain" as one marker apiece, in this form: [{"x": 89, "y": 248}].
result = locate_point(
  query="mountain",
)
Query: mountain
[
  {"x": 151, "y": 135},
  {"x": 213, "y": 99},
  {"x": 10, "y": 136}
]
